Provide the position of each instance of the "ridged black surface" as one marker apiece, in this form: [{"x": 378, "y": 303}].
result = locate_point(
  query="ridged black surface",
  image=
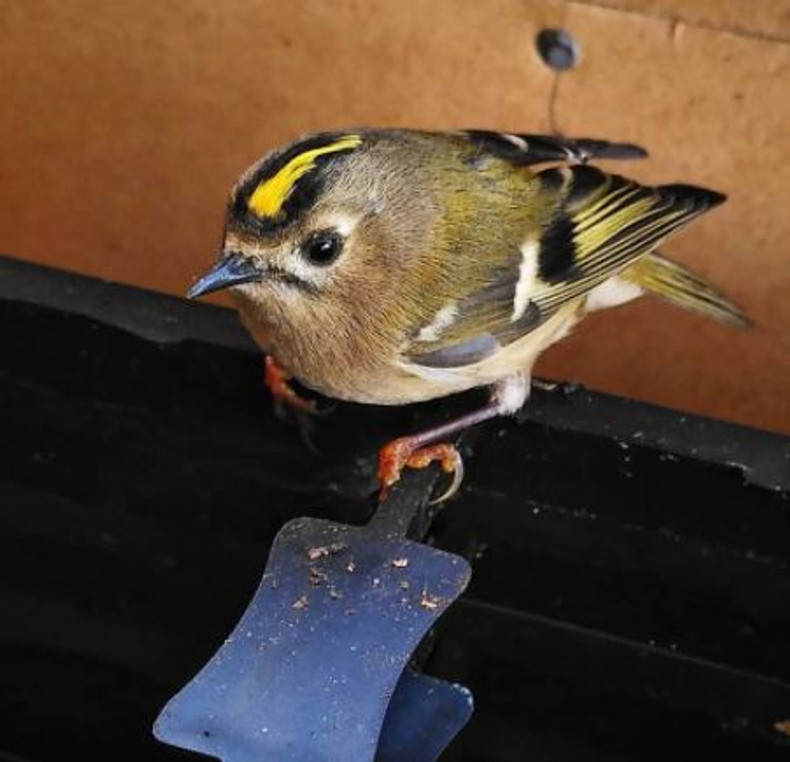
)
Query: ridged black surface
[{"x": 630, "y": 591}]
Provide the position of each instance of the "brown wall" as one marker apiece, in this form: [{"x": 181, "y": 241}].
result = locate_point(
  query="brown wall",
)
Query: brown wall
[{"x": 124, "y": 123}]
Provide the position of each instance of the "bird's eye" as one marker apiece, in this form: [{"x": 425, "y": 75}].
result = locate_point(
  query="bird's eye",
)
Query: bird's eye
[{"x": 323, "y": 248}]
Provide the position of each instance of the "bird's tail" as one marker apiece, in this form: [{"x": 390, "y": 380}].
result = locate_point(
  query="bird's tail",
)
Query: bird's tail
[{"x": 676, "y": 284}]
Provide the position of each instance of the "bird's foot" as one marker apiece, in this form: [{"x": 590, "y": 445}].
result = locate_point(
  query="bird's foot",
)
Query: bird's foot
[
  {"x": 277, "y": 380},
  {"x": 406, "y": 452}
]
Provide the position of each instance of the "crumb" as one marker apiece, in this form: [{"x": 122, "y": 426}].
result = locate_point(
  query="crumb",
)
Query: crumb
[
  {"x": 325, "y": 550},
  {"x": 404, "y": 585},
  {"x": 350, "y": 612},
  {"x": 334, "y": 593},
  {"x": 350, "y": 566},
  {"x": 316, "y": 577},
  {"x": 430, "y": 602},
  {"x": 301, "y": 603},
  {"x": 400, "y": 563}
]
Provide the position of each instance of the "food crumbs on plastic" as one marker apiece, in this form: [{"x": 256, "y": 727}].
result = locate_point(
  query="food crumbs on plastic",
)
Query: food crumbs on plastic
[
  {"x": 321, "y": 551},
  {"x": 301, "y": 603}
]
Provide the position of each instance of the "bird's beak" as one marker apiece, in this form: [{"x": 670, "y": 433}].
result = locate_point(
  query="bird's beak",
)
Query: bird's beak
[{"x": 232, "y": 270}]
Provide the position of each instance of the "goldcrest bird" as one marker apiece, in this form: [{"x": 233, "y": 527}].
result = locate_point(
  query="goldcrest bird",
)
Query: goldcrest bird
[{"x": 392, "y": 266}]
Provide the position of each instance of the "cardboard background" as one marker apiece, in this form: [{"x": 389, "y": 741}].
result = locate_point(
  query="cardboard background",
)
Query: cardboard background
[{"x": 124, "y": 124}]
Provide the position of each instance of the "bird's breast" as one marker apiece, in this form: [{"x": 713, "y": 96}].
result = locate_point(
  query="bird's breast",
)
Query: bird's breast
[{"x": 333, "y": 357}]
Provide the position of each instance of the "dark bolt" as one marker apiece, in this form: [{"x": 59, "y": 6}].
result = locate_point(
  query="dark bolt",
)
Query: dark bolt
[{"x": 558, "y": 49}]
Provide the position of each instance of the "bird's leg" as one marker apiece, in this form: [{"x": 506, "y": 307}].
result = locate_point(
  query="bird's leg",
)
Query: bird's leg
[
  {"x": 277, "y": 381},
  {"x": 418, "y": 450},
  {"x": 425, "y": 447}
]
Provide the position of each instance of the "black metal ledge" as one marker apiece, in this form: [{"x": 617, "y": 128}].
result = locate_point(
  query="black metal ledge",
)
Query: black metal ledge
[{"x": 629, "y": 600}]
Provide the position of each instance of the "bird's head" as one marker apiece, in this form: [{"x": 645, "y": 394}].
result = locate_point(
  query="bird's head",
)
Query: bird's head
[{"x": 319, "y": 224}]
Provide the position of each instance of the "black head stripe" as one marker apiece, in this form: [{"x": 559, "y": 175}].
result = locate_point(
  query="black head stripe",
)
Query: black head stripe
[{"x": 288, "y": 183}]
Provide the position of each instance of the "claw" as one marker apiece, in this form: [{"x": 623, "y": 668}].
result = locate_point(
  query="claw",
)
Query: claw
[
  {"x": 277, "y": 380},
  {"x": 457, "y": 470},
  {"x": 405, "y": 452}
]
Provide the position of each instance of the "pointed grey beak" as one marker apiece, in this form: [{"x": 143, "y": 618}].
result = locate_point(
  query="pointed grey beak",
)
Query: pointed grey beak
[{"x": 232, "y": 270}]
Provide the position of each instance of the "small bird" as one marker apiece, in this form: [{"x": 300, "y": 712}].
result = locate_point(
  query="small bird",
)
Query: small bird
[{"x": 389, "y": 266}]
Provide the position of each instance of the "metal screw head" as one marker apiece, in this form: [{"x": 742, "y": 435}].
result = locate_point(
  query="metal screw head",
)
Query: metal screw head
[{"x": 558, "y": 49}]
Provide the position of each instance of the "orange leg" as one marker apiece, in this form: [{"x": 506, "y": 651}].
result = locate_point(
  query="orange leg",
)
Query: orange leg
[
  {"x": 419, "y": 450},
  {"x": 276, "y": 379},
  {"x": 406, "y": 452}
]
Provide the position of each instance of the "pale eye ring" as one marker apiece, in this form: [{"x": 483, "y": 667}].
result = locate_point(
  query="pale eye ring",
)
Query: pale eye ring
[{"x": 322, "y": 248}]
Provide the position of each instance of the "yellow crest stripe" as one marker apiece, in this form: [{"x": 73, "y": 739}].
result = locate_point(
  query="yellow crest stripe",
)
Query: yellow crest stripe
[{"x": 268, "y": 198}]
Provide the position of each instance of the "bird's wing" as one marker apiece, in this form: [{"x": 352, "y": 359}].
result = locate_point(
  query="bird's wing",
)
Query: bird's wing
[
  {"x": 524, "y": 150},
  {"x": 599, "y": 224}
]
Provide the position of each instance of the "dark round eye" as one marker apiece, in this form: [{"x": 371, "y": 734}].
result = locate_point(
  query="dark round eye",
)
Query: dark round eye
[{"x": 323, "y": 248}]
